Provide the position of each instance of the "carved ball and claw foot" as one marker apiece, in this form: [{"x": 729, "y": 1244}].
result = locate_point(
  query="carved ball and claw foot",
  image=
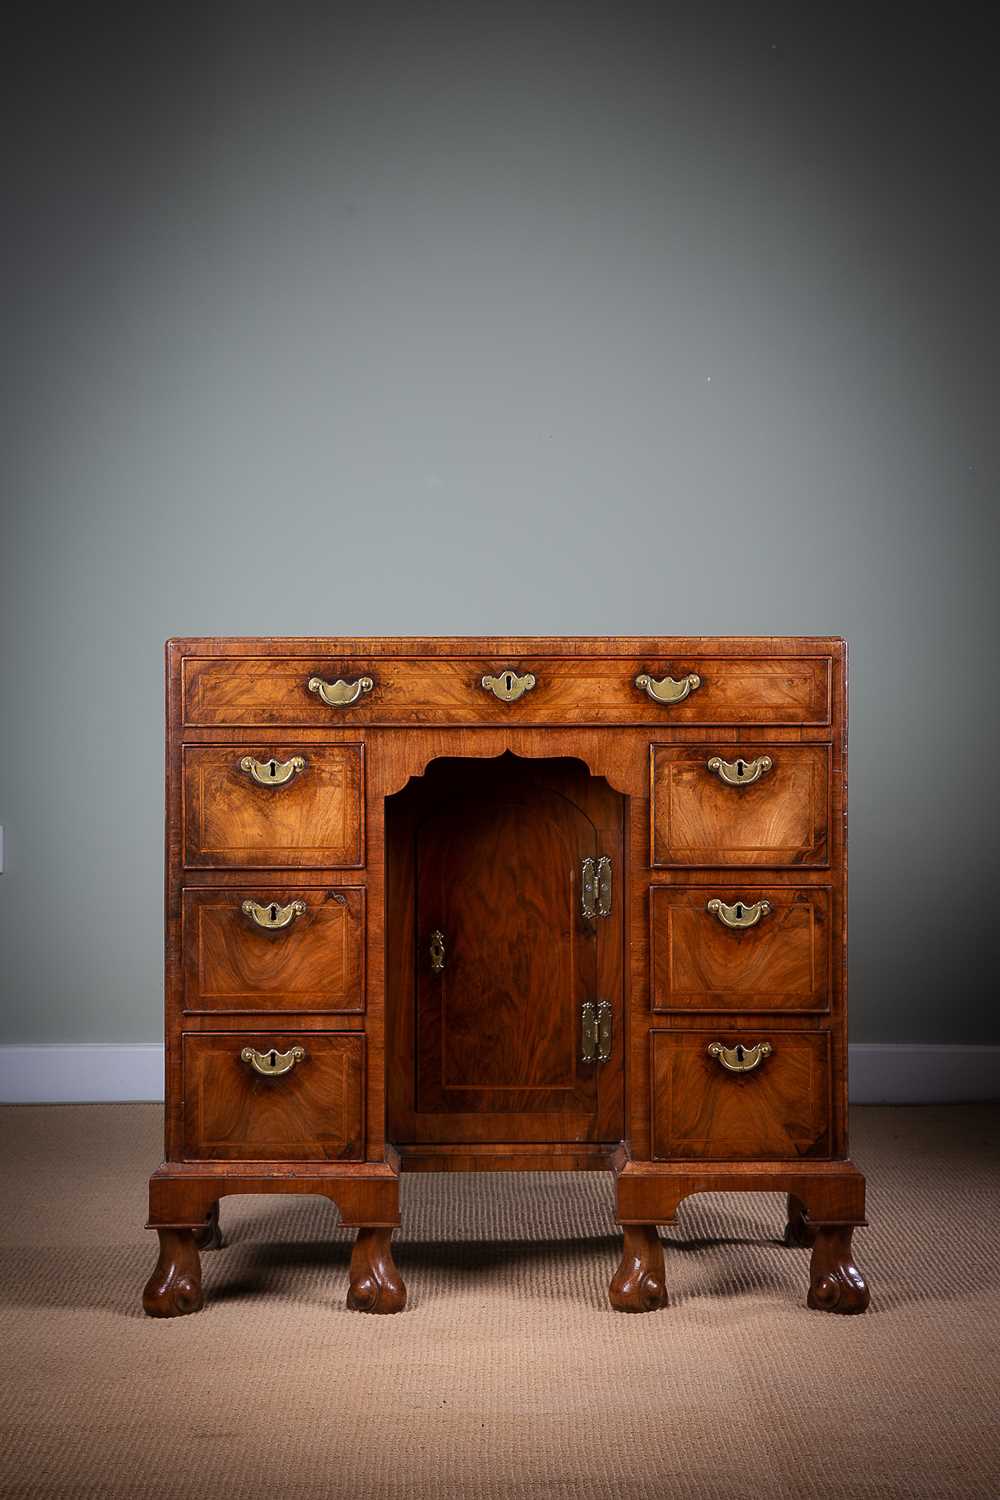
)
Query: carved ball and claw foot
[
  {"x": 835, "y": 1283},
  {"x": 375, "y": 1286},
  {"x": 640, "y": 1283},
  {"x": 209, "y": 1236},
  {"x": 174, "y": 1288}
]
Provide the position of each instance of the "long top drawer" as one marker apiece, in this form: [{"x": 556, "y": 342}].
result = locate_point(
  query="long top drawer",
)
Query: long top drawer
[{"x": 683, "y": 688}]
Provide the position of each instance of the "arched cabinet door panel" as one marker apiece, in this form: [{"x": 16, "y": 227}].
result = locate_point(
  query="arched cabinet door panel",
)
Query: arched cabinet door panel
[{"x": 516, "y": 954}]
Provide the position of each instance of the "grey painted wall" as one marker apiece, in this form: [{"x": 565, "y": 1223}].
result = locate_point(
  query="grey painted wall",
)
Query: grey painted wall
[{"x": 470, "y": 318}]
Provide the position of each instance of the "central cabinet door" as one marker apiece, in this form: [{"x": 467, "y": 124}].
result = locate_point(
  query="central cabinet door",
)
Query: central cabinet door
[{"x": 517, "y": 928}]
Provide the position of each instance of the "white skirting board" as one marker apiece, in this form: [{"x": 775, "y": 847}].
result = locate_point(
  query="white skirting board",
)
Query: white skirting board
[{"x": 881, "y": 1073}]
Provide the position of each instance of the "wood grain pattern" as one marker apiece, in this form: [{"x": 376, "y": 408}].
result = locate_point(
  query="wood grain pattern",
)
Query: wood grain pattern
[
  {"x": 375, "y": 1286},
  {"x": 493, "y": 852},
  {"x": 313, "y": 1113},
  {"x": 782, "y": 819},
  {"x": 781, "y": 696},
  {"x": 315, "y": 819},
  {"x": 174, "y": 1288},
  {"x": 639, "y": 1284},
  {"x": 232, "y": 965},
  {"x": 780, "y": 1110},
  {"x": 783, "y": 963},
  {"x": 414, "y": 690}
]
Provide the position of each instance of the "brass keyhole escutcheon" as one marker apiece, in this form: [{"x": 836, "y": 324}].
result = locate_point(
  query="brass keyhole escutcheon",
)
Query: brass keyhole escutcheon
[
  {"x": 272, "y": 1063},
  {"x": 272, "y": 916},
  {"x": 437, "y": 951},
  {"x": 508, "y": 686},
  {"x": 740, "y": 1059},
  {"x": 740, "y": 914},
  {"x": 272, "y": 772},
  {"x": 740, "y": 772}
]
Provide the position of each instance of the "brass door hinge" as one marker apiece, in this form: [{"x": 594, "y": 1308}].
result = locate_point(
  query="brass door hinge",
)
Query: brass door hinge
[
  {"x": 596, "y": 1024},
  {"x": 595, "y": 888}
]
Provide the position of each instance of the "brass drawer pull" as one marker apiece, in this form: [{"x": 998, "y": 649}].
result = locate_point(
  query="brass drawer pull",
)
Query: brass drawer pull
[
  {"x": 738, "y": 915},
  {"x": 340, "y": 694},
  {"x": 272, "y": 772},
  {"x": 740, "y": 772},
  {"x": 272, "y": 916},
  {"x": 272, "y": 1064},
  {"x": 437, "y": 951},
  {"x": 668, "y": 689},
  {"x": 740, "y": 1059},
  {"x": 508, "y": 687}
]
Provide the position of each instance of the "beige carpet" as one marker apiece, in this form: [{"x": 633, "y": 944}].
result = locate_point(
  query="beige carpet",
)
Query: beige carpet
[{"x": 508, "y": 1375}]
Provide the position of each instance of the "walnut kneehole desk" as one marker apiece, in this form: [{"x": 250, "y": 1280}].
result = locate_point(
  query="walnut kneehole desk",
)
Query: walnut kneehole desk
[{"x": 506, "y": 904}]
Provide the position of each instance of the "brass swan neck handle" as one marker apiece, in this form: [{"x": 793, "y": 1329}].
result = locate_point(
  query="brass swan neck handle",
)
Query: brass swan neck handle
[
  {"x": 272, "y": 1064},
  {"x": 340, "y": 694},
  {"x": 272, "y": 916},
  {"x": 740, "y": 1059},
  {"x": 668, "y": 689},
  {"x": 272, "y": 772},
  {"x": 739, "y": 914},
  {"x": 740, "y": 772}
]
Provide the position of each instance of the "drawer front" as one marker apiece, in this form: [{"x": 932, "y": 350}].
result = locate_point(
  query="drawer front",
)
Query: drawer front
[
  {"x": 778, "y": 1111},
  {"x": 780, "y": 819},
  {"x": 311, "y": 820},
  {"x": 273, "y": 949},
  {"x": 705, "y": 958},
  {"x": 312, "y": 1112},
  {"x": 449, "y": 690}
]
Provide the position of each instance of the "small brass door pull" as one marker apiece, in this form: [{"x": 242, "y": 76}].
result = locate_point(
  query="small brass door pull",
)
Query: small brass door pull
[
  {"x": 437, "y": 951},
  {"x": 272, "y": 772},
  {"x": 668, "y": 689},
  {"x": 738, "y": 915},
  {"x": 340, "y": 694},
  {"x": 508, "y": 687},
  {"x": 272, "y": 1064},
  {"x": 596, "y": 1025},
  {"x": 740, "y": 1059},
  {"x": 740, "y": 772},
  {"x": 272, "y": 916},
  {"x": 595, "y": 887}
]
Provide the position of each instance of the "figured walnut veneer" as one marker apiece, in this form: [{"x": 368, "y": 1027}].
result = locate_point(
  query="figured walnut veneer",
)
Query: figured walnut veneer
[
  {"x": 782, "y": 819},
  {"x": 415, "y": 990},
  {"x": 315, "y": 964},
  {"x": 412, "y": 689},
  {"x": 315, "y": 820},
  {"x": 784, "y": 962},
  {"x": 312, "y": 1113},
  {"x": 780, "y": 1110}
]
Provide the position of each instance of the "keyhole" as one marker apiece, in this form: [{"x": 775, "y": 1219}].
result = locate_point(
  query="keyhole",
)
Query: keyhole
[
  {"x": 739, "y": 1052},
  {"x": 272, "y": 768},
  {"x": 508, "y": 679},
  {"x": 739, "y": 909},
  {"x": 273, "y": 1058},
  {"x": 741, "y": 768},
  {"x": 274, "y": 911}
]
